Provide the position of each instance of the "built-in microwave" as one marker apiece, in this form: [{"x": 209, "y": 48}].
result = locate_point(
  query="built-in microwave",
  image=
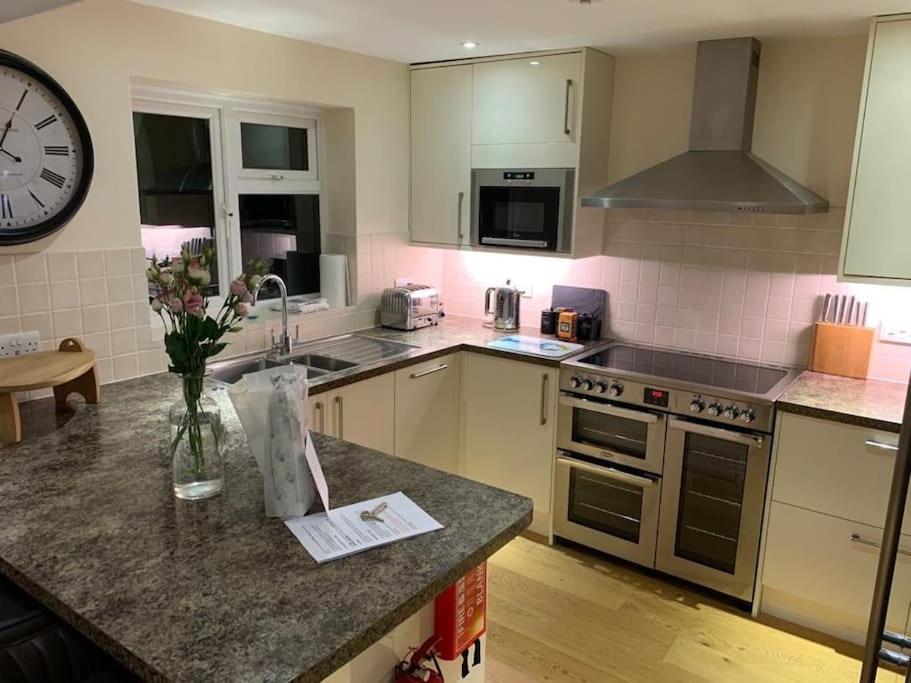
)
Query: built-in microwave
[{"x": 529, "y": 208}]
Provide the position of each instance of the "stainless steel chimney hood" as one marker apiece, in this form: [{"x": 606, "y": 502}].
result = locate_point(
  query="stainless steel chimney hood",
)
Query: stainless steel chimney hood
[{"x": 719, "y": 173}]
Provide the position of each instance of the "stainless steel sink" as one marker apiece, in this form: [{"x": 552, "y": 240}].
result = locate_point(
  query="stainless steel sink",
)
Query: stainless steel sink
[
  {"x": 231, "y": 371},
  {"x": 315, "y": 361}
]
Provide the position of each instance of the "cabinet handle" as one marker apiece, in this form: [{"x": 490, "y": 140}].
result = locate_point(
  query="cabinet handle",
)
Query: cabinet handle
[
  {"x": 340, "y": 416},
  {"x": 879, "y": 445},
  {"x": 860, "y": 540},
  {"x": 459, "y": 218},
  {"x": 569, "y": 85},
  {"x": 424, "y": 373},
  {"x": 544, "y": 381},
  {"x": 322, "y": 418}
]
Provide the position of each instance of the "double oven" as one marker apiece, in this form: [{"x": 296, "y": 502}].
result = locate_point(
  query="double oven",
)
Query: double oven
[{"x": 662, "y": 473}]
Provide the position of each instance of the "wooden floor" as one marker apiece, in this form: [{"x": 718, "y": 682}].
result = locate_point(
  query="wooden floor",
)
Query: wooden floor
[{"x": 561, "y": 615}]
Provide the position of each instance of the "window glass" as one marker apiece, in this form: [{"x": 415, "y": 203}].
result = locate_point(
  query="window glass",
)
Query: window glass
[
  {"x": 176, "y": 202},
  {"x": 284, "y": 230},
  {"x": 274, "y": 147}
]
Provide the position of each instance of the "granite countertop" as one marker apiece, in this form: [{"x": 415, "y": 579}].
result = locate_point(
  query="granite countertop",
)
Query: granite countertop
[
  {"x": 215, "y": 590},
  {"x": 451, "y": 335},
  {"x": 866, "y": 402}
]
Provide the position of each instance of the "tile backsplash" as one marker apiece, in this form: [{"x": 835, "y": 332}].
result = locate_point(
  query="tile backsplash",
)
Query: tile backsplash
[{"x": 736, "y": 285}]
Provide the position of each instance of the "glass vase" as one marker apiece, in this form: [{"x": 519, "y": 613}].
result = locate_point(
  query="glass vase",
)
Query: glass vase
[{"x": 197, "y": 442}]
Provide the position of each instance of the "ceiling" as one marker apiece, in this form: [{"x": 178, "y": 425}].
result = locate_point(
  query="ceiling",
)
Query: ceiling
[
  {"x": 16, "y": 9},
  {"x": 425, "y": 30}
]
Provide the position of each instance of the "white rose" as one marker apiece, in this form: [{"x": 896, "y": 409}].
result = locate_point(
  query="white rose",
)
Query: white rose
[{"x": 156, "y": 305}]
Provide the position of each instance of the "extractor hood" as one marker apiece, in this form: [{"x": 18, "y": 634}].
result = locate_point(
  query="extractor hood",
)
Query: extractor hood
[{"x": 719, "y": 173}]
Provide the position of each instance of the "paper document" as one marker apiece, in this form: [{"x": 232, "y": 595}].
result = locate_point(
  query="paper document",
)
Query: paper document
[{"x": 344, "y": 531}]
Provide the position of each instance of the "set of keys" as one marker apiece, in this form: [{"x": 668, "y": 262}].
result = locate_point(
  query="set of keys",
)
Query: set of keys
[{"x": 374, "y": 514}]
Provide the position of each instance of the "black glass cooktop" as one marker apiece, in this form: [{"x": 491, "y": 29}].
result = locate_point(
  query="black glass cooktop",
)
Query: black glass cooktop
[{"x": 714, "y": 372}]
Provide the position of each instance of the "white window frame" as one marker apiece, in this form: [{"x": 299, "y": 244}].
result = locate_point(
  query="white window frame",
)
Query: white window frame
[{"x": 229, "y": 179}]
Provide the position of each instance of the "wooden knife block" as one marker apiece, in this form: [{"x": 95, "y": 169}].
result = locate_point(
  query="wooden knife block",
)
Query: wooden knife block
[{"x": 841, "y": 349}]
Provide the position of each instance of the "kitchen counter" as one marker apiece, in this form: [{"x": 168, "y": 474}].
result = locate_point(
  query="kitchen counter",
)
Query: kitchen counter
[
  {"x": 453, "y": 334},
  {"x": 864, "y": 402},
  {"x": 215, "y": 590}
]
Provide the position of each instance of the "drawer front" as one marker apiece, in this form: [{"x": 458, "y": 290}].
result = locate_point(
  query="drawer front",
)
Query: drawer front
[
  {"x": 828, "y": 467},
  {"x": 813, "y": 557}
]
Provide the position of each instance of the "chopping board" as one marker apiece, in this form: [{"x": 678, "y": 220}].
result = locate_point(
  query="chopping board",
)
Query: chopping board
[{"x": 536, "y": 346}]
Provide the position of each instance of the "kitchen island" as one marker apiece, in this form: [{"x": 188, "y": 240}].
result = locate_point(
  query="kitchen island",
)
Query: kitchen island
[{"x": 215, "y": 590}]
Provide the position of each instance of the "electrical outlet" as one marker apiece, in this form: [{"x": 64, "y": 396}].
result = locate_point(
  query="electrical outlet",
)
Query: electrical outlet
[
  {"x": 527, "y": 289},
  {"x": 18, "y": 344},
  {"x": 402, "y": 281},
  {"x": 896, "y": 334}
]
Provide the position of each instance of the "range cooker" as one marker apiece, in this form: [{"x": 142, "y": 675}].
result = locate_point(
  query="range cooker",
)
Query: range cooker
[{"x": 663, "y": 459}]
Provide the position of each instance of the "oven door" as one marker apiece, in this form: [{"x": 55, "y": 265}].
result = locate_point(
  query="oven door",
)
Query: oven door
[
  {"x": 625, "y": 436},
  {"x": 607, "y": 509},
  {"x": 711, "y": 508}
]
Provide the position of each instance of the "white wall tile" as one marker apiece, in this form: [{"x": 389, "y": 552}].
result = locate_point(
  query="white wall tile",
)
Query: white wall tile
[
  {"x": 61, "y": 266},
  {"x": 34, "y": 298},
  {"x": 30, "y": 268}
]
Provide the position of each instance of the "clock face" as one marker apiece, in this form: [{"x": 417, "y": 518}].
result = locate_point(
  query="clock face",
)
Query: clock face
[{"x": 45, "y": 153}]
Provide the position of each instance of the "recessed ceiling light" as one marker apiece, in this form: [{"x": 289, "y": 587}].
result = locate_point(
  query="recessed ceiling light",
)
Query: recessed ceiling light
[
  {"x": 469, "y": 45},
  {"x": 534, "y": 63}
]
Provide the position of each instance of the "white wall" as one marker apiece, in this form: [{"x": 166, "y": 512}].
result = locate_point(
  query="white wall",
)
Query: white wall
[{"x": 95, "y": 47}]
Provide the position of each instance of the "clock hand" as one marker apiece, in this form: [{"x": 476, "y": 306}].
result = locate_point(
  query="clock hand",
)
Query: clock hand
[
  {"x": 9, "y": 124},
  {"x": 18, "y": 160}
]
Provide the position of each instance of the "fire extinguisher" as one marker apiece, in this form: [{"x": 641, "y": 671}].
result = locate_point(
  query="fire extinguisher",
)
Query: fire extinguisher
[{"x": 416, "y": 669}]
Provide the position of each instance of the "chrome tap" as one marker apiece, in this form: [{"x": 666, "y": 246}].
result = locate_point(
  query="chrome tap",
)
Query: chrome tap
[{"x": 283, "y": 345}]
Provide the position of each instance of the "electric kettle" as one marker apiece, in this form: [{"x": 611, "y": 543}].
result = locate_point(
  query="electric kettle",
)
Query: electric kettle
[{"x": 506, "y": 307}]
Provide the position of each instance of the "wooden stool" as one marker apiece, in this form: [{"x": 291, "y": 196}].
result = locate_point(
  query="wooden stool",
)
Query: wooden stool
[{"x": 69, "y": 370}]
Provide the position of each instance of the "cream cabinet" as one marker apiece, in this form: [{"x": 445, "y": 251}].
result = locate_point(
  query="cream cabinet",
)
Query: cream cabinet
[
  {"x": 877, "y": 241},
  {"x": 362, "y": 413},
  {"x": 527, "y": 100},
  {"x": 440, "y": 154},
  {"x": 427, "y": 412},
  {"x": 509, "y": 416},
  {"x": 829, "y": 492}
]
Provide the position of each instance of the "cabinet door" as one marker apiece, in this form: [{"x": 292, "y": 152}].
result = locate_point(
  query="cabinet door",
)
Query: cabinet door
[
  {"x": 427, "y": 413},
  {"x": 320, "y": 420},
  {"x": 510, "y": 410},
  {"x": 364, "y": 413},
  {"x": 528, "y": 100},
  {"x": 877, "y": 241},
  {"x": 440, "y": 154}
]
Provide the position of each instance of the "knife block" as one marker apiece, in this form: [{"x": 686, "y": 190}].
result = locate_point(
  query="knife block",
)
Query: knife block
[{"x": 841, "y": 349}]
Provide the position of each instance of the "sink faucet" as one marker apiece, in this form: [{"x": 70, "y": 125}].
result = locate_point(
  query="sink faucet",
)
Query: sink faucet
[{"x": 283, "y": 345}]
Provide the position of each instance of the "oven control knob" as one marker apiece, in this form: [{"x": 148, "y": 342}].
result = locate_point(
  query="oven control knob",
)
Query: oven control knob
[
  {"x": 615, "y": 389},
  {"x": 715, "y": 409},
  {"x": 748, "y": 415},
  {"x": 697, "y": 405},
  {"x": 731, "y": 412},
  {"x": 600, "y": 387},
  {"x": 574, "y": 382},
  {"x": 587, "y": 384}
]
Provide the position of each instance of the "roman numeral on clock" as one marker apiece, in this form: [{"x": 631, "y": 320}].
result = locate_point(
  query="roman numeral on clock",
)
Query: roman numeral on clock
[
  {"x": 52, "y": 178},
  {"x": 35, "y": 197},
  {"x": 6, "y": 207},
  {"x": 57, "y": 150},
  {"x": 44, "y": 123}
]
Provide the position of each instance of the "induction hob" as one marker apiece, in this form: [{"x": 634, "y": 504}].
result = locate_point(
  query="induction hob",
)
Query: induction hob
[{"x": 708, "y": 387}]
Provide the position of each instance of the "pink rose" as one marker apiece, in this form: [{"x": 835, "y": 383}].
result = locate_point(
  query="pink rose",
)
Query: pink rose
[
  {"x": 241, "y": 310},
  {"x": 176, "y": 305},
  {"x": 247, "y": 298},
  {"x": 238, "y": 288},
  {"x": 192, "y": 302}
]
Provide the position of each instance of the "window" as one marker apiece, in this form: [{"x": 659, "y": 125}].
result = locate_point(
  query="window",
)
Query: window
[{"x": 240, "y": 178}]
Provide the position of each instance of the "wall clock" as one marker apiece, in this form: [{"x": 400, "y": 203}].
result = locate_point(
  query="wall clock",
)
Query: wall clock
[{"x": 46, "y": 158}]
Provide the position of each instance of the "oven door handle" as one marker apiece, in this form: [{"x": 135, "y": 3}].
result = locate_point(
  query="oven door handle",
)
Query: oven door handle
[
  {"x": 607, "y": 409},
  {"x": 716, "y": 432},
  {"x": 609, "y": 473}
]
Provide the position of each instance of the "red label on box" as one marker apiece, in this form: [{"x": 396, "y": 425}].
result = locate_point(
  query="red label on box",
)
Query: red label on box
[{"x": 460, "y": 613}]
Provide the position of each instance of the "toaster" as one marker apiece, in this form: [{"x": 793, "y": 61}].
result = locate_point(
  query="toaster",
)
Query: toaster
[{"x": 410, "y": 307}]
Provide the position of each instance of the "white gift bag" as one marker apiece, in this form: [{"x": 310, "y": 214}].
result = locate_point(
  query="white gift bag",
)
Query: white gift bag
[{"x": 272, "y": 407}]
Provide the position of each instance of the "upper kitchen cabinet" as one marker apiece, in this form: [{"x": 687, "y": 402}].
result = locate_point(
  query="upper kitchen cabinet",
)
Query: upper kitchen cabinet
[
  {"x": 513, "y": 117},
  {"x": 440, "y": 154},
  {"x": 877, "y": 242},
  {"x": 526, "y": 101}
]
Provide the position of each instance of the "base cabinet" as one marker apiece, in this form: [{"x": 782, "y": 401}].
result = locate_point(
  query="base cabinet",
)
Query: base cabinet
[
  {"x": 509, "y": 416},
  {"x": 362, "y": 413},
  {"x": 427, "y": 413}
]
